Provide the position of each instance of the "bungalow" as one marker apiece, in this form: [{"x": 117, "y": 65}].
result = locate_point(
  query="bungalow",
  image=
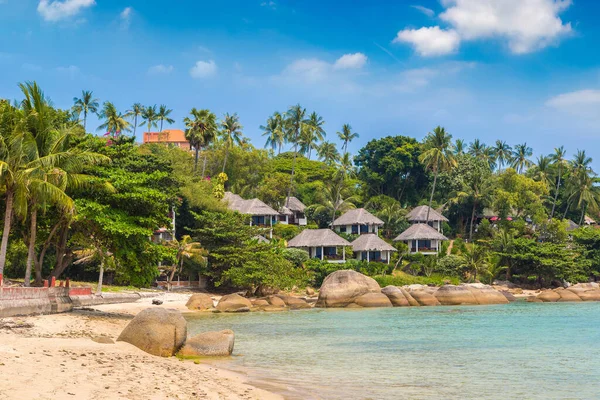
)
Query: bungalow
[
  {"x": 418, "y": 215},
  {"x": 357, "y": 222},
  {"x": 292, "y": 212},
  {"x": 370, "y": 247},
  {"x": 321, "y": 243},
  {"x": 421, "y": 238},
  {"x": 261, "y": 214}
]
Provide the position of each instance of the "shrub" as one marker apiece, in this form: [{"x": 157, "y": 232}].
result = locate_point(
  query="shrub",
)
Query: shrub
[
  {"x": 286, "y": 232},
  {"x": 401, "y": 279},
  {"x": 319, "y": 270},
  {"x": 450, "y": 265},
  {"x": 296, "y": 256}
]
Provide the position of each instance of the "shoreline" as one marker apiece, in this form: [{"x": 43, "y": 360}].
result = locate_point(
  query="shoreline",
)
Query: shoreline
[{"x": 54, "y": 357}]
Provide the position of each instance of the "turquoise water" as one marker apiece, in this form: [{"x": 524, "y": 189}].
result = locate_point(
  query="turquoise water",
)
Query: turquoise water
[{"x": 515, "y": 351}]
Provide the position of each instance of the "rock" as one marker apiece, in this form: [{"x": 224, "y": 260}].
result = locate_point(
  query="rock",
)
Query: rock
[
  {"x": 103, "y": 340},
  {"x": 411, "y": 300},
  {"x": 586, "y": 286},
  {"x": 567, "y": 295},
  {"x": 586, "y": 294},
  {"x": 373, "y": 300},
  {"x": 260, "y": 303},
  {"x": 395, "y": 295},
  {"x": 534, "y": 299},
  {"x": 450, "y": 295},
  {"x": 294, "y": 303},
  {"x": 266, "y": 291},
  {"x": 274, "y": 308},
  {"x": 548, "y": 296},
  {"x": 353, "y": 305},
  {"x": 200, "y": 301},
  {"x": 486, "y": 295},
  {"x": 234, "y": 303},
  {"x": 157, "y": 302},
  {"x": 158, "y": 331},
  {"x": 341, "y": 288},
  {"x": 310, "y": 291},
  {"x": 276, "y": 301},
  {"x": 424, "y": 298},
  {"x": 211, "y": 344},
  {"x": 509, "y": 296}
]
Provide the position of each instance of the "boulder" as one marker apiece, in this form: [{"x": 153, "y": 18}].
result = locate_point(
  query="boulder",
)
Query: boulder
[
  {"x": 274, "y": 308},
  {"x": 534, "y": 299},
  {"x": 450, "y": 295},
  {"x": 234, "y": 303},
  {"x": 158, "y": 331},
  {"x": 508, "y": 295},
  {"x": 103, "y": 340},
  {"x": 411, "y": 300},
  {"x": 260, "y": 303},
  {"x": 586, "y": 295},
  {"x": 567, "y": 295},
  {"x": 276, "y": 301},
  {"x": 341, "y": 288},
  {"x": 395, "y": 295},
  {"x": 200, "y": 301},
  {"x": 548, "y": 296},
  {"x": 209, "y": 344},
  {"x": 294, "y": 303},
  {"x": 310, "y": 291},
  {"x": 424, "y": 298},
  {"x": 353, "y": 305},
  {"x": 373, "y": 300},
  {"x": 487, "y": 295}
]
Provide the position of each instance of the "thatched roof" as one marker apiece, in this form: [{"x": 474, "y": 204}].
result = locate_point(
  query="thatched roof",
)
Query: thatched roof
[
  {"x": 371, "y": 242},
  {"x": 248, "y": 207},
  {"x": 318, "y": 238},
  {"x": 419, "y": 214},
  {"x": 421, "y": 232},
  {"x": 358, "y": 216},
  {"x": 261, "y": 239},
  {"x": 588, "y": 220},
  {"x": 293, "y": 205},
  {"x": 571, "y": 225}
]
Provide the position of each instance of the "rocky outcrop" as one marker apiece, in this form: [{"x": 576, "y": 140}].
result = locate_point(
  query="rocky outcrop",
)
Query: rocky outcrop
[
  {"x": 158, "y": 331},
  {"x": 411, "y": 300},
  {"x": 260, "y": 303},
  {"x": 343, "y": 287},
  {"x": 424, "y": 298},
  {"x": 486, "y": 295},
  {"x": 373, "y": 300},
  {"x": 234, "y": 303},
  {"x": 200, "y": 302},
  {"x": 209, "y": 344},
  {"x": 579, "y": 292},
  {"x": 508, "y": 295},
  {"x": 566, "y": 295},
  {"x": 294, "y": 303},
  {"x": 275, "y": 301},
  {"x": 395, "y": 295},
  {"x": 450, "y": 295},
  {"x": 549, "y": 296}
]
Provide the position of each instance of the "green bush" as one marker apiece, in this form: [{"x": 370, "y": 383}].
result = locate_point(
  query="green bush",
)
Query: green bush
[
  {"x": 296, "y": 256},
  {"x": 401, "y": 279},
  {"x": 319, "y": 270},
  {"x": 286, "y": 232},
  {"x": 450, "y": 265}
]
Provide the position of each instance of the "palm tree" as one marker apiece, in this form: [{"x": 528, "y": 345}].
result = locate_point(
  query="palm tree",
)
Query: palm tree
[
  {"x": 136, "y": 111},
  {"x": 311, "y": 133},
  {"x": 294, "y": 119},
  {"x": 186, "y": 248},
  {"x": 201, "y": 130},
  {"x": 475, "y": 260},
  {"x": 476, "y": 148},
  {"x": 328, "y": 153},
  {"x": 459, "y": 147},
  {"x": 231, "y": 130},
  {"x": 560, "y": 163},
  {"x": 87, "y": 104},
  {"x": 520, "y": 158},
  {"x": 502, "y": 153},
  {"x": 114, "y": 121},
  {"x": 274, "y": 130},
  {"x": 489, "y": 156},
  {"x": 542, "y": 170},
  {"x": 336, "y": 198},
  {"x": 479, "y": 189},
  {"x": 150, "y": 117},
  {"x": 346, "y": 135},
  {"x": 437, "y": 156},
  {"x": 163, "y": 116},
  {"x": 95, "y": 253}
]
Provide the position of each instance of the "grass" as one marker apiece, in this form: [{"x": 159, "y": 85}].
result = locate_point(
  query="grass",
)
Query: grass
[{"x": 399, "y": 278}]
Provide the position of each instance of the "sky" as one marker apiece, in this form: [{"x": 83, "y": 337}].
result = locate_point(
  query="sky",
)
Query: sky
[{"x": 515, "y": 70}]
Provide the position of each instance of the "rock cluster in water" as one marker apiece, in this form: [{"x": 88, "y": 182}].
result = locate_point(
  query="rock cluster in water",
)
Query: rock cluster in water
[{"x": 578, "y": 292}]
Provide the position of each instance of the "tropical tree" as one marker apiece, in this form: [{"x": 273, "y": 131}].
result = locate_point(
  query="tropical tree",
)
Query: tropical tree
[
  {"x": 479, "y": 189},
  {"x": 459, "y": 147},
  {"x": 475, "y": 260},
  {"x": 136, "y": 111},
  {"x": 186, "y": 248},
  {"x": 520, "y": 157},
  {"x": 476, "y": 148},
  {"x": 502, "y": 153},
  {"x": 294, "y": 120},
  {"x": 85, "y": 105},
  {"x": 346, "y": 135},
  {"x": 163, "y": 116},
  {"x": 231, "y": 131},
  {"x": 542, "y": 170},
  {"x": 150, "y": 117},
  {"x": 274, "y": 130},
  {"x": 96, "y": 253},
  {"x": 437, "y": 156},
  {"x": 311, "y": 133},
  {"x": 114, "y": 121},
  {"x": 201, "y": 130},
  {"x": 328, "y": 153},
  {"x": 561, "y": 164}
]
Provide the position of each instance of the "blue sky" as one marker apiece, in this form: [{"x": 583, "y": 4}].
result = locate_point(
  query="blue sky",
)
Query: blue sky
[{"x": 516, "y": 70}]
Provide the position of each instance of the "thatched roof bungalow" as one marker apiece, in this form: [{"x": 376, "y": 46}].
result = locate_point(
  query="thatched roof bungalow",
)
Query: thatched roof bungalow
[
  {"x": 292, "y": 212},
  {"x": 357, "y": 221},
  {"x": 418, "y": 215},
  {"x": 262, "y": 214},
  {"x": 321, "y": 243},
  {"x": 370, "y": 247},
  {"x": 421, "y": 238}
]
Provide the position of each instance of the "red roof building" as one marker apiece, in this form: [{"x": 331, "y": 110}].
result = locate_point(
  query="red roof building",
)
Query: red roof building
[{"x": 175, "y": 137}]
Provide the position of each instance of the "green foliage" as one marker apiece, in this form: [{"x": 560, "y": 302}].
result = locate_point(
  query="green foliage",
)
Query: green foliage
[
  {"x": 519, "y": 195},
  {"x": 286, "y": 232},
  {"x": 450, "y": 265},
  {"x": 296, "y": 256},
  {"x": 320, "y": 269},
  {"x": 402, "y": 279}
]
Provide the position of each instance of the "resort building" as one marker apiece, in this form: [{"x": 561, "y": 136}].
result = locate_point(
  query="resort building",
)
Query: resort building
[
  {"x": 370, "y": 247},
  {"x": 261, "y": 214},
  {"x": 324, "y": 244},
  {"x": 422, "y": 238},
  {"x": 174, "y": 137},
  {"x": 418, "y": 215},
  {"x": 293, "y": 212},
  {"x": 357, "y": 222}
]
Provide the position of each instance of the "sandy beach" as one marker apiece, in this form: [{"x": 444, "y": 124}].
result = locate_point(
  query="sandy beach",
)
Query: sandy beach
[{"x": 54, "y": 357}]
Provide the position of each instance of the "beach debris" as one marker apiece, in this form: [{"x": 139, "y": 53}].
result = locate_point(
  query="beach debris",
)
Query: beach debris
[
  {"x": 157, "y": 302},
  {"x": 209, "y": 344}
]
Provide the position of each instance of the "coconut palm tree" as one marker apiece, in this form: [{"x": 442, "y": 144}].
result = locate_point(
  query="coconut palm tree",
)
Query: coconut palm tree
[
  {"x": 150, "y": 117},
  {"x": 479, "y": 190},
  {"x": 114, "y": 121},
  {"x": 475, "y": 260},
  {"x": 201, "y": 130},
  {"x": 274, "y": 130},
  {"x": 489, "y": 156},
  {"x": 459, "y": 147},
  {"x": 328, "y": 153},
  {"x": 186, "y": 248},
  {"x": 346, "y": 135},
  {"x": 476, "y": 148},
  {"x": 86, "y": 104},
  {"x": 561, "y": 164},
  {"x": 520, "y": 157},
  {"x": 231, "y": 131},
  {"x": 542, "y": 170},
  {"x": 95, "y": 253},
  {"x": 136, "y": 111},
  {"x": 336, "y": 197},
  {"x": 312, "y": 133},
  {"x": 294, "y": 120},
  {"x": 437, "y": 156},
  {"x": 163, "y": 116},
  {"x": 502, "y": 153}
]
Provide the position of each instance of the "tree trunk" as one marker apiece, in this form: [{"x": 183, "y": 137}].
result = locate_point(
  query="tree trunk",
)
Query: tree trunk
[
  {"x": 61, "y": 249},
  {"x": 195, "y": 158},
  {"x": 567, "y": 209},
  {"x": 279, "y": 151},
  {"x": 6, "y": 232},
  {"x": 435, "y": 175},
  {"x": 31, "y": 252},
  {"x": 100, "y": 277},
  {"x": 161, "y": 124},
  {"x": 472, "y": 221},
  {"x": 555, "y": 194},
  {"x": 134, "y": 125},
  {"x": 226, "y": 155},
  {"x": 583, "y": 209},
  {"x": 84, "y": 121},
  {"x": 39, "y": 263},
  {"x": 293, "y": 169},
  {"x": 204, "y": 163}
]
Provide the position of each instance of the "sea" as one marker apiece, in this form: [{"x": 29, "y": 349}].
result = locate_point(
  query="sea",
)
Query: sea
[{"x": 513, "y": 351}]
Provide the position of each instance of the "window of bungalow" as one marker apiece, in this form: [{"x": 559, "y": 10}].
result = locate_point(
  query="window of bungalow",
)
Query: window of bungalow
[
  {"x": 355, "y": 229},
  {"x": 343, "y": 228},
  {"x": 364, "y": 229}
]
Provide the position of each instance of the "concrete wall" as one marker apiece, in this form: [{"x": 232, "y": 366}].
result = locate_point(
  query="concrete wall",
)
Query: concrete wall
[{"x": 31, "y": 301}]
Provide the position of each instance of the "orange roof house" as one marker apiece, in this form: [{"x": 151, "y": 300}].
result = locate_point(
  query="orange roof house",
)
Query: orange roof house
[{"x": 175, "y": 137}]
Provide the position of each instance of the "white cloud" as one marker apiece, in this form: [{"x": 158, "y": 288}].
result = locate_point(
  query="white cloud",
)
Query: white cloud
[
  {"x": 56, "y": 10},
  {"x": 125, "y": 17},
  {"x": 70, "y": 70},
  {"x": 203, "y": 69},
  {"x": 431, "y": 41},
  {"x": 526, "y": 25},
  {"x": 350, "y": 61},
  {"x": 427, "y": 11},
  {"x": 582, "y": 102},
  {"x": 271, "y": 4},
  {"x": 308, "y": 69},
  {"x": 160, "y": 69}
]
